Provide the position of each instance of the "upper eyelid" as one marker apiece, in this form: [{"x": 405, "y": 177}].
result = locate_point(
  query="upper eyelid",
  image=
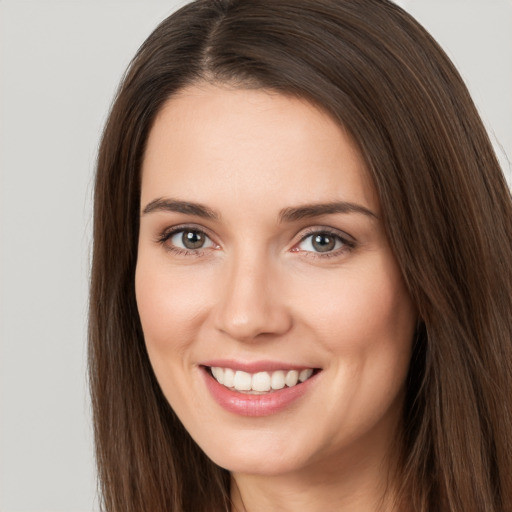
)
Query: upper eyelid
[
  {"x": 325, "y": 229},
  {"x": 172, "y": 230}
]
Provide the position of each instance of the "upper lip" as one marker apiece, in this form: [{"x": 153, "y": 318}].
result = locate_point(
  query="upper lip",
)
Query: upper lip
[{"x": 254, "y": 366}]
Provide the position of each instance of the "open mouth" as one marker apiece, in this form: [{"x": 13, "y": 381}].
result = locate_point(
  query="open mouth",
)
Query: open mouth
[{"x": 260, "y": 382}]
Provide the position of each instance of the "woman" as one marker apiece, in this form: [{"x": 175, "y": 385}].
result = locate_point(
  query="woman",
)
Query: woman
[{"x": 301, "y": 284}]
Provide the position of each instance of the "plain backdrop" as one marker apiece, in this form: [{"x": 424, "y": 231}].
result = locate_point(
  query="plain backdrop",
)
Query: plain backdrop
[{"x": 60, "y": 63}]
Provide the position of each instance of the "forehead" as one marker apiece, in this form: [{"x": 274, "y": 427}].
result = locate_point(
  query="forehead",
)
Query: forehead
[{"x": 212, "y": 142}]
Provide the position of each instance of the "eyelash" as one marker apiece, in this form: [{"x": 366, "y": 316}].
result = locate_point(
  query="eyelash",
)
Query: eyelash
[
  {"x": 348, "y": 244},
  {"x": 169, "y": 233}
]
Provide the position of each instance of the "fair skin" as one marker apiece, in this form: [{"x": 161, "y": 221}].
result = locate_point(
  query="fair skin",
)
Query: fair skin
[{"x": 234, "y": 273}]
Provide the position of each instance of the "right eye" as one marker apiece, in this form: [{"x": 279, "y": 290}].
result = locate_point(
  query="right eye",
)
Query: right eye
[{"x": 189, "y": 240}]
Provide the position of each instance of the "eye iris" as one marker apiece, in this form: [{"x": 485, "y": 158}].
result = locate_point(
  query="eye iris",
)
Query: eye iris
[
  {"x": 323, "y": 242},
  {"x": 193, "y": 239}
]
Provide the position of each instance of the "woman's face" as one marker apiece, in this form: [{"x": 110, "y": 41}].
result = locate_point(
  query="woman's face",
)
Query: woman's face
[{"x": 262, "y": 259}]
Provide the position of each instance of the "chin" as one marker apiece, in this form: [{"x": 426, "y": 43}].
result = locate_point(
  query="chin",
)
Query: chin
[
  {"x": 266, "y": 452},
  {"x": 260, "y": 462}
]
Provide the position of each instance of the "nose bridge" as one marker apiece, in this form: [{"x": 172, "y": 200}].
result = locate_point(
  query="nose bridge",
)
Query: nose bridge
[{"x": 250, "y": 303}]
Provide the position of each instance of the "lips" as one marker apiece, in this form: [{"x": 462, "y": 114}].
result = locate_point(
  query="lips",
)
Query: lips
[{"x": 252, "y": 390}]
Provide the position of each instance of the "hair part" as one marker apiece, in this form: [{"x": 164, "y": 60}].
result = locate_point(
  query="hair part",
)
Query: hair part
[{"x": 446, "y": 209}]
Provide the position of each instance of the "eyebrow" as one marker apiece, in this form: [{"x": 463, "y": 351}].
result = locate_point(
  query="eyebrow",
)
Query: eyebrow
[
  {"x": 290, "y": 214},
  {"x": 316, "y": 210},
  {"x": 172, "y": 205}
]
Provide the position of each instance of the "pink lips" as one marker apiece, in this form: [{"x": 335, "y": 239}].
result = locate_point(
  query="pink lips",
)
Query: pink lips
[{"x": 245, "y": 404}]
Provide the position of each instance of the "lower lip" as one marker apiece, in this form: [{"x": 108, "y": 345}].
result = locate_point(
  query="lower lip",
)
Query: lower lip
[{"x": 255, "y": 405}]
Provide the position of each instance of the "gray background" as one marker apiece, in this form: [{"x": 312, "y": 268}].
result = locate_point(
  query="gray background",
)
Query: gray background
[{"x": 60, "y": 63}]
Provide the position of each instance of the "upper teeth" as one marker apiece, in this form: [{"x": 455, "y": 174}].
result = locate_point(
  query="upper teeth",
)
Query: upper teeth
[{"x": 261, "y": 381}]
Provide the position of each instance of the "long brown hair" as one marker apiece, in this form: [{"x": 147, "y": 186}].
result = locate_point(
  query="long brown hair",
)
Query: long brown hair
[{"x": 446, "y": 208}]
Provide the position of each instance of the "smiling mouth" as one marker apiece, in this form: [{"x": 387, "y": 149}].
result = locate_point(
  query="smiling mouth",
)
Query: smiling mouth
[{"x": 260, "y": 382}]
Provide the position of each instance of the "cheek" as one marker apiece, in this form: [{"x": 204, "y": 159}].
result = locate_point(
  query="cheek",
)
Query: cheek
[
  {"x": 168, "y": 308},
  {"x": 170, "y": 304},
  {"x": 368, "y": 311},
  {"x": 367, "y": 327}
]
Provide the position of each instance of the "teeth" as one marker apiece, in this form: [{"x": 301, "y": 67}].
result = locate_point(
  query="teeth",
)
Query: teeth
[
  {"x": 278, "y": 380},
  {"x": 291, "y": 378},
  {"x": 229, "y": 377},
  {"x": 218, "y": 373},
  {"x": 243, "y": 381},
  {"x": 305, "y": 374},
  {"x": 260, "y": 382}
]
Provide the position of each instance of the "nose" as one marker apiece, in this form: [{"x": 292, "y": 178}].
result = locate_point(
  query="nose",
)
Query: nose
[{"x": 251, "y": 303}]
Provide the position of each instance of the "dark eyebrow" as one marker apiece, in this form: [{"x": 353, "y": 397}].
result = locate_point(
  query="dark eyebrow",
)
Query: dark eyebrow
[
  {"x": 315, "y": 210},
  {"x": 172, "y": 205}
]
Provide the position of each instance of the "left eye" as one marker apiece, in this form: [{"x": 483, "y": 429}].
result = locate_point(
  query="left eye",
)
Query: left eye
[
  {"x": 321, "y": 242},
  {"x": 190, "y": 239}
]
